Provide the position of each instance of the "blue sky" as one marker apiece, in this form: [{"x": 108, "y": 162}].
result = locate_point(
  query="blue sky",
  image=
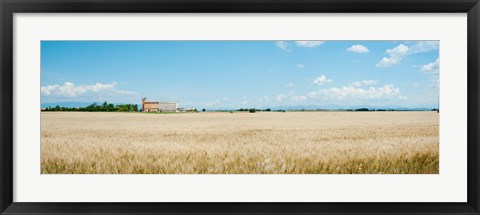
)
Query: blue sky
[{"x": 242, "y": 74}]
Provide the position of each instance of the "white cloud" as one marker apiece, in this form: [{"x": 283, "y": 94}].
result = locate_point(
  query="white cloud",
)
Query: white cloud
[
  {"x": 322, "y": 80},
  {"x": 280, "y": 97},
  {"x": 358, "y": 49},
  {"x": 315, "y": 94},
  {"x": 300, "y": 66},
  {"x": 212, "y": 103},
  {"x": 299, "y": 98},
  {"x": 290, "y": 85},
  {"x": 431, "y": 68},
  {"x": 124, "y": 92},
  {"x": 282, "y": 44},
  {"x": 309, "y": 44},
  {"x": 363, "y": 83},
  {"x": 350, "y": 92},
  {"x": 68, "y": 89},
  {"x": 423, "y": 46},
  {"x": 395, "y": 55}
]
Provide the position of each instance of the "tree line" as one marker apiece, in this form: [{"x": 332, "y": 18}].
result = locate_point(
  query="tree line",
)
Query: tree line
[
  {"x": 253, "y": 110},
  {"x": 105, "y": 107}
]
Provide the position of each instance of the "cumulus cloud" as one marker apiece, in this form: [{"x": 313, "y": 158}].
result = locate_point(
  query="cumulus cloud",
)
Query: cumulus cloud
[
  {"x": 358, "y": 49},
  {"x": 315, "y": 94},
  {"x": 322, "y": 79},
  {"x": 300, "y": 66},
  {"x": 69, "y": 89},
  {"x": 394, "y": 56},
  {"x": 350, "y": 92},
  {"x": 431, "y": 68},
  {"x": 423, "y": 46},
  {"x": 309, "y": 44},
  {"x": 363, "y": 83},
  {"x": 305, "y": 44},
  {"x": 280, "y": 97},
  {"x": 299, "y": 98},
  {"x": 282, "y": 44},
  {"x": 290, "y": 85}
]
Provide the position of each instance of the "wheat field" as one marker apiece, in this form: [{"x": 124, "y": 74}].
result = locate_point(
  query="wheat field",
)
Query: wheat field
[{"x": 240, "y": 143}]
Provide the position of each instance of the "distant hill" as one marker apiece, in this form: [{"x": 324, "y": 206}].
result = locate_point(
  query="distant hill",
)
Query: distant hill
[{"x": 337, "y": 107}]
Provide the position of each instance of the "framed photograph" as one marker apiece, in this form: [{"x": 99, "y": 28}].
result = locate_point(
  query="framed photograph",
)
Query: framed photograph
[{"x": 239, "y": 107}]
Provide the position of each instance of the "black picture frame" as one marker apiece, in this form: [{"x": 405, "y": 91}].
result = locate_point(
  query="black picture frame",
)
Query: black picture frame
[{"x": 9, "y": 7}]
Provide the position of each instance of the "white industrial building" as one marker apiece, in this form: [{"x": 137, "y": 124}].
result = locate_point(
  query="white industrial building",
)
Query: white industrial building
[{"x": 149, "y": 106}]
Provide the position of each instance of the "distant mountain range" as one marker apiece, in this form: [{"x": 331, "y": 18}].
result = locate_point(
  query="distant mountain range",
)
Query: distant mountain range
[
  {"x": 332, "y": 107},
  {"x": 343, "y": 107}
]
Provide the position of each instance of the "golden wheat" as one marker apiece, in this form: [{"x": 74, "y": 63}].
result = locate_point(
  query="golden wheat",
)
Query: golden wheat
[{"x": 240, "y": 143}]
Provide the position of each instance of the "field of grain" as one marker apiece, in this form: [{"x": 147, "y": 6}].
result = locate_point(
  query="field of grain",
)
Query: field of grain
[{"x": 240, "y": 143}]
